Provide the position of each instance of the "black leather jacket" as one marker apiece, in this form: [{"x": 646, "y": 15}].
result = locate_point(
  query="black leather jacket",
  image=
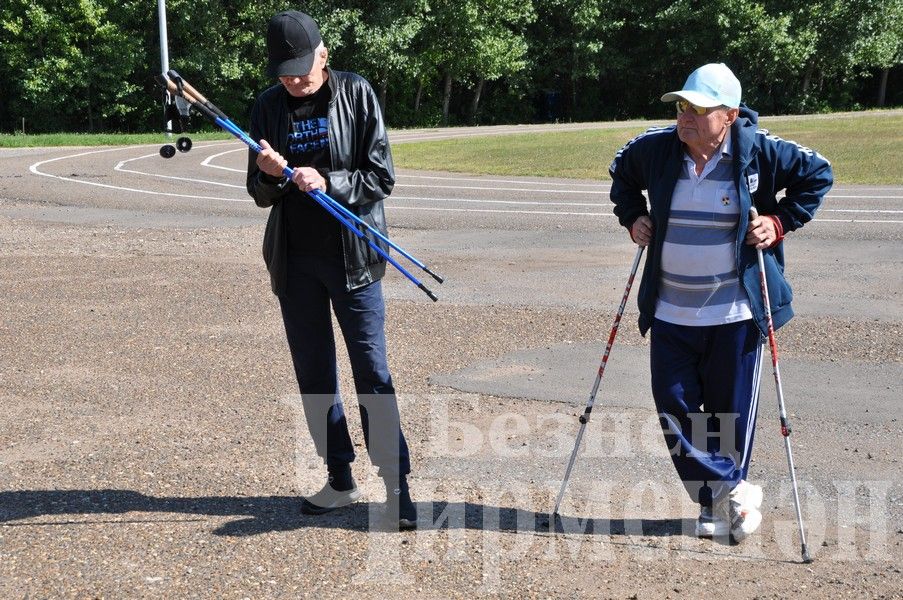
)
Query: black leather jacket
[{"x": 361, "y": 177}]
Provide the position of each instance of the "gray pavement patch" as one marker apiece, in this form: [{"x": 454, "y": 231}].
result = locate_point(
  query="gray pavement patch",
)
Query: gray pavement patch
[{"x": 851, "y": 391}]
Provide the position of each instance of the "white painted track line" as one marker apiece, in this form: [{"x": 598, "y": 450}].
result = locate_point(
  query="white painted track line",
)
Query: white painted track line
[{"x": 493, "y": 194}]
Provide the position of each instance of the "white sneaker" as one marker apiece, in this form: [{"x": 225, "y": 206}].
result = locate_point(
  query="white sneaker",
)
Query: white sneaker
[
  {"x": 748, "y": 494},
  {"x": 708, "y": 525},
  {"x": 741, "y": 510},
  {"x": 744, "y": 522},
  {"x": 745, "y": 496},
  {"x": 329, "y": 499}
]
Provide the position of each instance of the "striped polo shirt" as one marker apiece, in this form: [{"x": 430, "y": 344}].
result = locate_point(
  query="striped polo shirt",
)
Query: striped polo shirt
[{"x": 699, "y": 283}]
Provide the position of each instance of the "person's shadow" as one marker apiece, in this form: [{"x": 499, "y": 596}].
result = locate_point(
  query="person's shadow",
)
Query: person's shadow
[{"x": 263, "y": 514}]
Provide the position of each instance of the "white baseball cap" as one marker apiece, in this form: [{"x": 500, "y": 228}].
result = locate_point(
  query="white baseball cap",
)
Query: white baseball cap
[{"x": 709, "y": 85}]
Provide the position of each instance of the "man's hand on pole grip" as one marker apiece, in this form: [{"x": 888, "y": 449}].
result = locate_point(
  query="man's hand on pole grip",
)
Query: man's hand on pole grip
[
  {"x": 641, "y": 231},
  {"x": 269, "y": 161}
]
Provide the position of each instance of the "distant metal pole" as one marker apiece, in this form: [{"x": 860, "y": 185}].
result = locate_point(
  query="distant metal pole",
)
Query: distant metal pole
[{"x": 164, "y": 56}]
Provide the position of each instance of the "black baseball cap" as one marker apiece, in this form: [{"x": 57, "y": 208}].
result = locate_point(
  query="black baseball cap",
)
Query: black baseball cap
[{"x": 292, "y": 37}]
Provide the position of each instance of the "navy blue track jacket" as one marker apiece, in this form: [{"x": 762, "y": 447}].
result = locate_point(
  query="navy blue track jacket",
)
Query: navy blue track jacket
[{"x": 764, "y": 165}]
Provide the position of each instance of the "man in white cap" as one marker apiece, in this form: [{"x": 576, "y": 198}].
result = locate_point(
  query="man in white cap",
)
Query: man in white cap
[
  {"x": 700, "y": 292},
  {"x": 327, "y": 125}
]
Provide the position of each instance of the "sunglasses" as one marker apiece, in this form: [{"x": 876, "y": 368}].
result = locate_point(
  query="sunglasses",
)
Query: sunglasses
[{"x": 683, "y": 105}]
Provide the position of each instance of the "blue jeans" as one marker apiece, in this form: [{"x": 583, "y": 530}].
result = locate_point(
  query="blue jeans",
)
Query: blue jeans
[
  {"x": 705, "y": 382},
  {"x": 313, "y": 284}
]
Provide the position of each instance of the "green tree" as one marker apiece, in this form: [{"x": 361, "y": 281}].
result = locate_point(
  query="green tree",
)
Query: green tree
[
  {"x": 881, "y": 45},
  {"x": 88, "y": 64},
  {"x": 67, "y": 65},
  {"x": 475, "y": 40},
  {"x": 571, "y": 48},
  {"x": 383, "y": 38},
  {"x": 847, "y": 37}
]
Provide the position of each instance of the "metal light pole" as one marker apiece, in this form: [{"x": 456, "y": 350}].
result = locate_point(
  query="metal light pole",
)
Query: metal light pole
[{"x": 164, "y": 58}]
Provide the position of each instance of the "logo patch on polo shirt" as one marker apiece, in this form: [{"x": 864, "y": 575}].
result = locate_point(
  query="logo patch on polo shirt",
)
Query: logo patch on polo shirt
[{"x": 753, "y": 182}]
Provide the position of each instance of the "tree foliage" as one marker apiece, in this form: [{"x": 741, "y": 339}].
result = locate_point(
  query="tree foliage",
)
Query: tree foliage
[
  {"x": 87, "y": 65},
  {"x": 67, "y": 63}
]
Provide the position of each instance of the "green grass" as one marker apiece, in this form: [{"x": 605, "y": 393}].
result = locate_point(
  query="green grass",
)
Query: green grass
[
  {"x": 573, "y": 154},
  {"x": 98, "y": 139},
  {"x": 864, "y": 148}
]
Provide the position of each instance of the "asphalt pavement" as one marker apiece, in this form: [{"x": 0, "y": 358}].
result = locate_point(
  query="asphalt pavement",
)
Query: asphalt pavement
[{"x": 151, "y": 442}]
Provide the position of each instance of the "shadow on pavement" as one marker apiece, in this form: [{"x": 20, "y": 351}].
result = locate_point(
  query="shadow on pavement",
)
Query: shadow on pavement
[{"x": 263, "y": 514}]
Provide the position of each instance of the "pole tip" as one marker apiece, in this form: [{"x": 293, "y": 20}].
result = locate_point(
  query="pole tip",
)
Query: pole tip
[
  {"x": 427, "y": 291},
  {"x": 549, "y": 522}
]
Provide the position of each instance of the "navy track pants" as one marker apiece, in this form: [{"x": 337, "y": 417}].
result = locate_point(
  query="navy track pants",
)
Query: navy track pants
[
  {"x": 313, "y": 284},
  {"x": 705, "y": 382}
]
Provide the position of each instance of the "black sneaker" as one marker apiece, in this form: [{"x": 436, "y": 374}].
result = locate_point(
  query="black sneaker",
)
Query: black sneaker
[
  {"x": 329, "y": 499},
  {"x": 400, "y": 509}
]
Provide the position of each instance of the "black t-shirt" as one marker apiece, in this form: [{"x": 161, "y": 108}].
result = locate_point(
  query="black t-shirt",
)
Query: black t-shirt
[{"x": 309, "y": 228}]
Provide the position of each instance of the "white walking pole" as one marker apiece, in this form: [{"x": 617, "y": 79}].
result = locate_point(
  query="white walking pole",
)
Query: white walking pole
[
  {"x": 584, "y": 418},
  {"x": 785, "y": 425}
]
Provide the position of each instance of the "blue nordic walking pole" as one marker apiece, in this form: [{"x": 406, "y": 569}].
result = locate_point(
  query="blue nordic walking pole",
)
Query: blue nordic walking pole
[
  {"x": 329, "y": 204},
  {"x": 375, "y": 232},
  {"x": 337, "y": 205},
  {"x": 330, "y": 207}
]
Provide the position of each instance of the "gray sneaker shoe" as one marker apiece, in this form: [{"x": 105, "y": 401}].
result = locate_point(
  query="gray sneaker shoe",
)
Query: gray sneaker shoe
[
  {"x": 329, "y": 499},
  {"x": 709, "y": 525}
]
